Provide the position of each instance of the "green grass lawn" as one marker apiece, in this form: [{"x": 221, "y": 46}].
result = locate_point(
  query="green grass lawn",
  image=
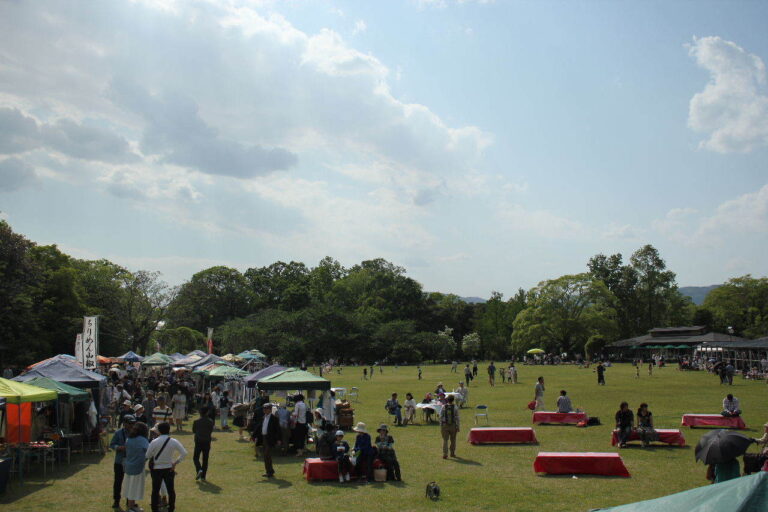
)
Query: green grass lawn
[{"x": 483, "y": 478}]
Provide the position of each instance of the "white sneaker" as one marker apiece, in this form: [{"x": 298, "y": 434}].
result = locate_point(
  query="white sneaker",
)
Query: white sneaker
[{"x": 341, "y": 478}]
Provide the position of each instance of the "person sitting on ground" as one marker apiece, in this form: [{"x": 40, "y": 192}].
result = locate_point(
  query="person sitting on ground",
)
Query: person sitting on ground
[
  {"x": 731, "y": 407},
  {"x": 410, "y": 409},
  {"x": 393, "y": 407},
  {"x": 341, "y": 454},
  {"x": 385, "y": 445},
  {"x": 624, "y": 421},
  {"x": 564, "y": 402}
]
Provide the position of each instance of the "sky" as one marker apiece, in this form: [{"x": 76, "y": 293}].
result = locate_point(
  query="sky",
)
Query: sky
[{"x": 481, "y": 145}]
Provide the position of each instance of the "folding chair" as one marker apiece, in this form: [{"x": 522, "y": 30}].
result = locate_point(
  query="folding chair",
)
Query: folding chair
[{"x": 482, "y": 411}]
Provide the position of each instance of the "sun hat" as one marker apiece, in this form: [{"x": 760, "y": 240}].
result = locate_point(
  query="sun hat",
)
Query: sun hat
[
  {"x": 339, "y": 433},
  {"x": 384, "y": 427},
  {"x": 137, "y": 407},
  {"x": 128, "y": 402},
  {"x": 361, "y": 428}
]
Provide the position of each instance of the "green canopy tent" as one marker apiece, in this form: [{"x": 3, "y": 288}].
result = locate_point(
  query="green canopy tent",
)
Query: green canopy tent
[
  {"x": 744, "y": 494},
  {"x": 226, "y": 372},
  {"x": 157, "y": 359},
  {"x": 68, "y": 395},
  {"x": 684, "y": 346},
  {"x": 62, "y": 390},
  {"x": 251, "y": 354},
  {"x": 293, "y": 378},
  {"x": 669, "y": 346},
  {"x": 19, "y": 397}
]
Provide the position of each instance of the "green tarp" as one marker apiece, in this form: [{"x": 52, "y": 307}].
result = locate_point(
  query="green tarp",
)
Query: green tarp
[
  {"x": 157, "y": 359},
  {"x": 63, "y": 390},
  {"x": 227, "y": 372},
  {"x": 744, "y": 494},
  {"x": 293, "y": 378},
  {"x": 20, "y": 392}
]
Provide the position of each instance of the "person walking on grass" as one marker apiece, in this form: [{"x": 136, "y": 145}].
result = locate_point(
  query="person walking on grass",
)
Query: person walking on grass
[
  {"x": 419, "y": 368},
  {"x": 202, "y": 428},
  {"x": 179, "y": 402},
  {"x": 538, "y": 394},
  {"x": 513, "y": 373},
  {"x": 600, "y": 373},
  {"x": 474, "y": 368},
  {"x": 135, "y": 450},
  {"x": 163, "y": 461},
  {"x": 467, "y": 374},
  {"x": 117, "y": 443},
  {"x": 268, "y": 435},
  {"x": 492, "y": 374},
  {"x": 449, "y": 426},
  {"x": 224, "y": 404}
]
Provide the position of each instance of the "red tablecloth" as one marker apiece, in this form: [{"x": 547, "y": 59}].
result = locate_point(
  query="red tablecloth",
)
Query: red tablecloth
[
  {"x": 712, "y": 420},
  {"x": 502, "y": 435},
  {"x": 580, "y": 463},
  {"x": 666, "y": 435},
  {"x": 317, "y": 469},
  {"x": 570, "y": 418}
]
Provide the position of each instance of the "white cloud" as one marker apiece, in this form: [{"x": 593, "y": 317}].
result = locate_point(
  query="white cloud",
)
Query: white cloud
[
  {"x": 747, "y": 214},
  {"x": 359, "y": 28},
  {"x": 733, "y": 107},
  {"x": 622, "y": 232},
  {"x": 543, "y": 223}
]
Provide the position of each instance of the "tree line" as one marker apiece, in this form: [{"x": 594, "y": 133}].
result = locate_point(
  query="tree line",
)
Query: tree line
[{"x": 369, "y": 312}]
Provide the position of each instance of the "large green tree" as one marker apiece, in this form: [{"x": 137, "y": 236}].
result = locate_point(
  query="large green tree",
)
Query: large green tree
[
  {"x": 741, "y": 303},
  {"x": 563, "y": 313}
]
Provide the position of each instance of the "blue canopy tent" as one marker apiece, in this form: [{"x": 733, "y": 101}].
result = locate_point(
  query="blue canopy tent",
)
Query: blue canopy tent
[{"x": 131, "y": 357}]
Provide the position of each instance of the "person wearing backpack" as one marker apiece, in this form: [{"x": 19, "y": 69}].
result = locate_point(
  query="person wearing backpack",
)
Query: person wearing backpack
[
  {"x": 162, "y": 465},
  {"x": 449, "y": 426}
]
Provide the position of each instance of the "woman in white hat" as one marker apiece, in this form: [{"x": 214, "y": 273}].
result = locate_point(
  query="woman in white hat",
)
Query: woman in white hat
[
  {"x": 341, "y": 453},
  {"x": 365, "y": 452}
]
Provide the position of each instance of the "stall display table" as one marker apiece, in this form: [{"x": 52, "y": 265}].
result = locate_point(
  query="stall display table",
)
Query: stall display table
[
  {"x": 563, "y": 418},
  {"x": 713, "y": 420},
  {"x": 666, "y": 435},
  {"x": 434, "y": 406},
  {"x": 491, "y": 435},
  {"x": 580, "y": 463},
  {"x": 318, "y": 469}
]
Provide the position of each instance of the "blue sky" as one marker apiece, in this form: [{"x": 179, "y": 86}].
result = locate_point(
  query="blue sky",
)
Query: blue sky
[{"x": 482, "y": 145}]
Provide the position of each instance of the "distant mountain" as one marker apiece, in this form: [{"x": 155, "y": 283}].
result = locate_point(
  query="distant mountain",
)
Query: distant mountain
[
  {"x": 697, "y": 293},
  {"x": 473, "y": 300}
]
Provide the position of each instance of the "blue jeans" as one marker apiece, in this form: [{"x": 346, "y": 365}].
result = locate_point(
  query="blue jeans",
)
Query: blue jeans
[{"x": 398, "y": 416}]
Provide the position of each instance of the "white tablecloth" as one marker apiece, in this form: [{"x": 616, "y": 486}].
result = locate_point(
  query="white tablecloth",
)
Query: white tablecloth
[{"x": 434, "y": 406}]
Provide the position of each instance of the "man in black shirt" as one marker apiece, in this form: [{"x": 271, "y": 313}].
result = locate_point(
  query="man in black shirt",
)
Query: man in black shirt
[{"x": 202, "y": 428}]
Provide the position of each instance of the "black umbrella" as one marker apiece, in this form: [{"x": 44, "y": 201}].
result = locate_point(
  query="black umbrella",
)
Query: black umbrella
[{"x": 721, "y": 446}]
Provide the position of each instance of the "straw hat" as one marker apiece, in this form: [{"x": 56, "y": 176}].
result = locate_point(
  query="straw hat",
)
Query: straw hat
[{"x": 361, "y": 428}]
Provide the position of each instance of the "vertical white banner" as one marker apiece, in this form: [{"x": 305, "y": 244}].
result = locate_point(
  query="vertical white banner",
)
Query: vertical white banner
[
  {"x": 90, "y": 342},
  {"x": 210, "y": 340},
  {"x": 79, "y": 349}
]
